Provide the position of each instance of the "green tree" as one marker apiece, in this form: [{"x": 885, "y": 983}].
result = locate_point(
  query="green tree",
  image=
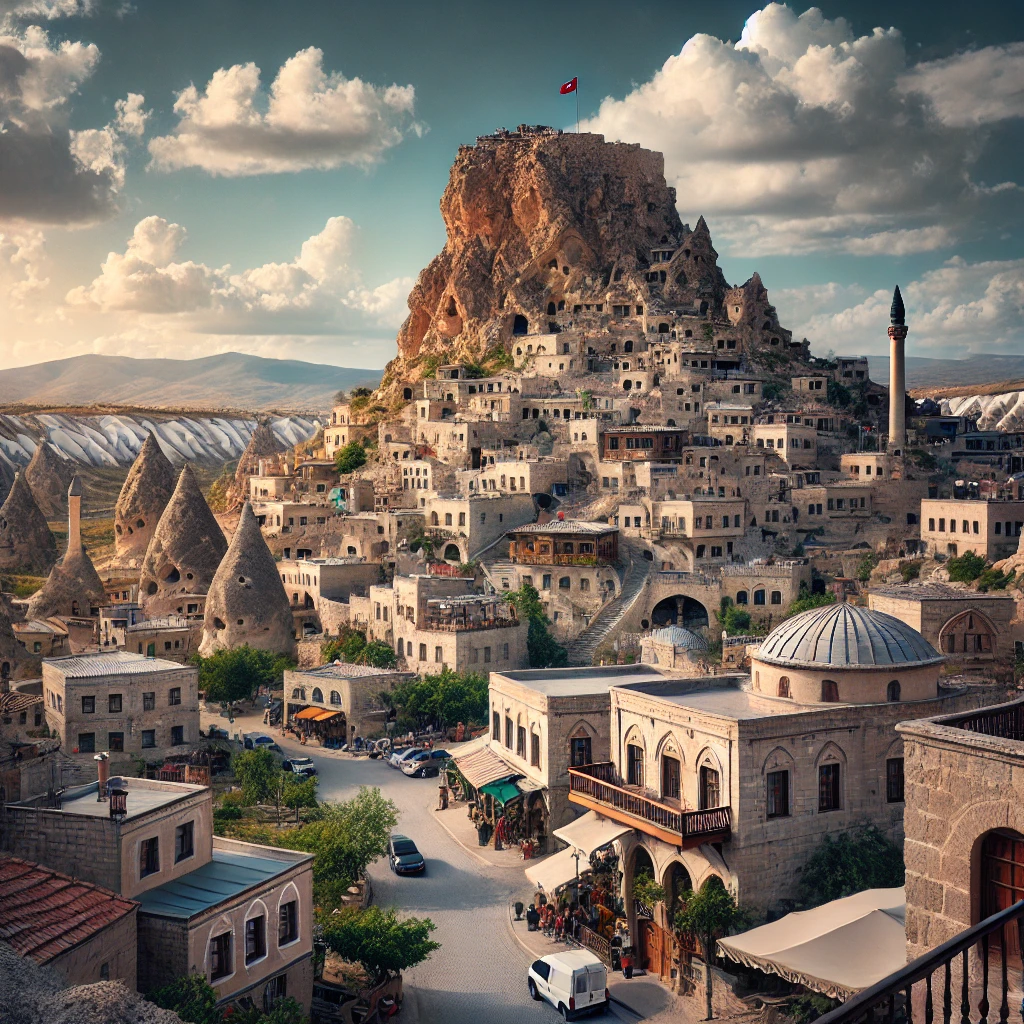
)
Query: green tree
[
  {"x": 378, "y": 940},
  {"x": 257, "y": 772},
  {"x": 866, "y": 566},
  {"x": 346, "y": 837},
  {"x": 441, "y": 699},
  {"x": 192, "y": 998},
  {"x": 910, "y": 571},
  {"x": 298, "y": 792},
  {"x": 378, "y": 654},
  {"x": 707, "y": 915},
  {"x": 850, "y": 862},
  {"x": 806, "y": 600},
  {"x": 350, "y": 458},
  {"x": 543, "y": 649},
  {"x": 734, "y": 621},
  {"x": 647, "y": 890},
  {"x": 839, "y": 395},
  {"x": 235, "y": 674},
  {"x": 965, "y": 569},
  {"x": 348, "y": 646}
]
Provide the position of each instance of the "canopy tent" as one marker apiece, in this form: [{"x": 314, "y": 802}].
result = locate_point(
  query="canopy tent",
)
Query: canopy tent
[
  {"x": 503, "y": 791},
  {"x": 837, "y": 949},
  {"x": 323, "y": 716},
  {"x": 590, "y": 832},
  {"x": 557, "y": 870},
  {"x": 483, "y": 765},
  {"x": 308, "y": 713}
]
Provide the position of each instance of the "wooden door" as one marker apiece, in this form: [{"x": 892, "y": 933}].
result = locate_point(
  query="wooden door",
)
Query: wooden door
[
  {"x": 670, "y": 775},
  {"x": 1002, "y": 880}
]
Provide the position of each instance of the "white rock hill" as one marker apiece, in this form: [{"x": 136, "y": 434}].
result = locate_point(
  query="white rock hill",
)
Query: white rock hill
[{"x": 993, "y": 412}]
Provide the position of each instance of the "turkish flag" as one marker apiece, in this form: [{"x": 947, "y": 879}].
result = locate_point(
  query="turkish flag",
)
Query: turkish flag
[{"x": 567, "y": 88}]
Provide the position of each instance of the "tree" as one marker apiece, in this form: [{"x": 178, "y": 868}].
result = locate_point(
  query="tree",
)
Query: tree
[
  {"x": 839, "y": 395},
  {"x": 806, "y": 601},
  {"x": 543, "y": 649},
  {"x": 192, "y": 998},
  {"x": 866, "y": 566},
  {"x": 349, "y": 646},
  {"x": 378, "y": 940},
  {"x": 346, "y": 838},
  {"x": 378, "y": 654},
  {"x": 298, "y": 792},
  {"x": 731, "y": 619},
  {"x": 965, "y": 569},
  {"x": 287, "y": 1011},
  {"x": 257, "y": 771},
  {"x": 235, "y": 674},
  {"x": 706, "y": 915},
  {"x": 850, "y": 862},
  {"x": 442, "y": 699},
  {"x": 350, "y": 458}
]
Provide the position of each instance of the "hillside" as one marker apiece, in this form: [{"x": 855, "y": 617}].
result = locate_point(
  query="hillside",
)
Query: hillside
[
  {"x": 985, "y": 373},
  {"x": 228, "y": 381}
]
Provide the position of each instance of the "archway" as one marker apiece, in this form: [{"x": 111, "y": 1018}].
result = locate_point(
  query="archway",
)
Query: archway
[
  {"x": 519, "y": 325},
  {"x": 680, "y": 610},
  {"x": 676, "y": 881},
  {"x": 452, "y": 553},
  {"x": 642, "y": 865},
  {"x": 1000, "y": 877}
]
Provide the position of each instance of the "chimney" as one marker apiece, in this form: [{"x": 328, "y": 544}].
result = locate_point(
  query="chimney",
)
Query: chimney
[
  {"x": 75, "y": 516},
  {"x": 897, "y": 374},
  {"x": 103, "y": 775}
]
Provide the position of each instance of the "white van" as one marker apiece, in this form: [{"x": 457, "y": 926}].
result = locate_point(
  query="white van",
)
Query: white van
[{"x": 574, "y": 982}]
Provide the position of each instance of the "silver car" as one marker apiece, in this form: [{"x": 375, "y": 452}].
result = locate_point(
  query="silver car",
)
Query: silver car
[{"x": 398, "y": 756}]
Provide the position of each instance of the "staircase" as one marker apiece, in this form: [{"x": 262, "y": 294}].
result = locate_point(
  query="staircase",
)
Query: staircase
[{"x": 583, "y": 648}]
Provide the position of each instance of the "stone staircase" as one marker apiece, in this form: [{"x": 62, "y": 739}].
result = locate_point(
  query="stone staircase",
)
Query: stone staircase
[{"x": 583, "y": 648}]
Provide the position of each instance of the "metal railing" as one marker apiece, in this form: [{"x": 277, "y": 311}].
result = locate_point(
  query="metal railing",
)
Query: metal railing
[
  {"x": 596, "y": 943},
  {"x": 1004, "y": 721},
  {"x": 435, "y": 624},
  {"x": 892, "y": 999},
  {"x": 600, "y": 782},
  {"x": 532, "y": 558}
]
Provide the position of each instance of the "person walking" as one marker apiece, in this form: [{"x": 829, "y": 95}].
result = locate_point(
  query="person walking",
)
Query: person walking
[
  {"x": 627, "y": 962},
  {"x": 442, "y": 795}
]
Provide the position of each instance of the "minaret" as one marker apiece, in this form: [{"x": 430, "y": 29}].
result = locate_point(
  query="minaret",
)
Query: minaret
[
  {"x": 897, "y": 375},
  {"x": 75, "y": 515}
]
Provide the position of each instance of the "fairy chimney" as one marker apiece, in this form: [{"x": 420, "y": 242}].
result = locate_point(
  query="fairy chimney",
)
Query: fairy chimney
[
  {"x": 182, "y": 558},
  {"x": 247, "y": 603},
  {"x": 262, "y": 443},
  {"x": 49, "y": 475},
  {"x": 73, "y": 587},
  {"x": 147, "y": 490},
  {"x": 26, "y": 543}
]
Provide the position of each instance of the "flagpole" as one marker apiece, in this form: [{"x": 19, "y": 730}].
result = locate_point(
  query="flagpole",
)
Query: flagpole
[{"x": 577, "y": 106}]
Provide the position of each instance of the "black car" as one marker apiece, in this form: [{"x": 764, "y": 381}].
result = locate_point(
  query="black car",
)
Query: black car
[{"x": 403, "y": 856}]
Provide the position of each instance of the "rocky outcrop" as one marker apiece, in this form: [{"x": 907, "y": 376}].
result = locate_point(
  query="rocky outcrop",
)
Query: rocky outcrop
[
  {"x": 262, "y": 445},
  {"x": 26, "y": 543},
  {"x": 1003, "y": 412},
  {"x": 48, "y": 476},
  {"x": 247, "y": 603},
  {"x": 146, "y": 491},
  {"x": 182, "y": 558},
  {"x": 11, "y": 652}
]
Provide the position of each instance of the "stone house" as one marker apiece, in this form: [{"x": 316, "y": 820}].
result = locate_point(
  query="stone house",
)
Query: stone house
[
  {"x": 795, "y": 442},
  {"x": 463, "y": 527},
  {"x": 239, "y": 914},
  {"x": 952, "y": 527},
  {"x": 125, "y": 703},
  {"x": 170, "y": 637},
  {"x": 765, "y": 589}
]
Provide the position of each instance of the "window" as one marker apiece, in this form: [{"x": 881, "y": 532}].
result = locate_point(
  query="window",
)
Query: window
[
  {"x": 114, "y": 703},
  {"x": 495, "y": 726},
  {"x": 255, "y": 938},
  {"x": 894, "y": 780},
  {"x": 438, "y": 655},
  {"x": 758, "y": 597},
  {"x": 784, "y": 690},
  {"x": 579, "y": 751},
  {"x": 535, "y": 749},
  {"x": 220, "y": 956},
  {"x": 115, "y": 741},
  {"x": 509, "y": 725},
  {"x": 634, "y": 765},
  {"x": 487, "y": 654},
  {"x": 149, "y": 737},
  {"x": 174, "y": 695},
  {"x": 88, "y": 705},
  {"x": 183, "y": 841},
  {"x": 276, "y": 990},
  {"x": 423, "y": 652},
  {"x": 828, "y": 787},
  {"x": 149, "y": 702},
  {"x": 177, "y": 735},
  {"x": 829, "y": 691},
  {"x": 778, "y": 794},
  {"x": 105, "y": 972},
  {"x": 776, "y": 597},
  {"x": 892, "y": 692},
  {"x": 563, "y": 583},
  {"x": 710, "y": 788},
  {"x": 288, "y": 923},
  {"x": 670, "y": 778},
  {"x": 149, "y": 857},
  {"x": 86, "y": 742},
  {"x": 504, "y": 652},
  {"x": 521, "y": 741}
]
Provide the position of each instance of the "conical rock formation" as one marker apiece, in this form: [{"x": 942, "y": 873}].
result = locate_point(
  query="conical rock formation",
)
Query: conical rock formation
[
  {"x": 182, "y": 558},
  {"x": 247, "y": 603},
  {"x": 73, "y": 588},
  {"x": 262, "y": 444},
  {"x": 48, "y": 476},
  {"x": 26, "y": 543},
  {"x": 146, "y": 491}
]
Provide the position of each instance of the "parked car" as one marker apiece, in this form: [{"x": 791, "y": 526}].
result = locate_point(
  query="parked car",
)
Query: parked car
[
  {"x": 215, "y": 732},
  {"x": 426, "y": 762},
  {"x": 260, "y": 741},
  {"x": 574, "y": 982},
  {"x": 403, "y": 856},
  {"x": 398, "y": 756},
  {"x": 299, "y": 766}
]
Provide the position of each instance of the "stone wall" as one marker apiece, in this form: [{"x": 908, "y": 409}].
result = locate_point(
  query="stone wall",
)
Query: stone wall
[{"x": 114, "y": 946}]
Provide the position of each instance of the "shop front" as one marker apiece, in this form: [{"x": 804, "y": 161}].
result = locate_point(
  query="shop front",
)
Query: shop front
[{"x": 328, "y": 728}]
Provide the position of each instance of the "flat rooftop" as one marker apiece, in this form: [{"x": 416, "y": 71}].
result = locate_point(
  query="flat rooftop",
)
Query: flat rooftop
[
  {"x": 937, "y": 592},
  {"x": 728, "y": 702},
  {"x": 580, "y": 682},
  {"x": 227, "y": 874},
  {"x": 144, "y": 795},
  {"x": 121, "y": 663},
  {"x": 573, "y": 526}
]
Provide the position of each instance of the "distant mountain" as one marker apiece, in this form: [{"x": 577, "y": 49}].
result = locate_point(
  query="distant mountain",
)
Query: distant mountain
[
  {"x": 922, "y": 372},
  {"x": 229, "y": 381}
]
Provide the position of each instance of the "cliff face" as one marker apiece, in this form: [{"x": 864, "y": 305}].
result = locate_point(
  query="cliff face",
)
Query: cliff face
[{"x": 539, "y": 224}]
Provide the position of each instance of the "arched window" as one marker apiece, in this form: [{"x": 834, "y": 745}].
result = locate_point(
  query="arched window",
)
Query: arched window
[
  {"x": 318, "y": 695},
  {"x": 551, "y": 309},
  {"x": 336, "y": 697},
  {"x": 628, "y": 347},
  {"x": 758, "y": 597},
  {"x": 829, "y": 691},
  {"x": 784, "y": 690},
  {"x": 892, "y": 692},
  {"x": 298, "y": 693},
  {"x": 434, "y": 521},
  {"x": 741, "y": 597},
  {"x": 519, "y": 324}
]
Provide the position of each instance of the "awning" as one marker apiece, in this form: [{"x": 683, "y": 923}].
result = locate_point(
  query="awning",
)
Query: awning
[
  {"x": 325, "y": 715},
  {"x": 555, "y": 871},
  {"x": 481, "y": 766},
  {"x": 837, "y": 949},
  {"x": 590, "y": 832},
  {"x": 503, "y": 792},
  {"x": 527, "y": 786},
  {"x": 307, "y": 713}
]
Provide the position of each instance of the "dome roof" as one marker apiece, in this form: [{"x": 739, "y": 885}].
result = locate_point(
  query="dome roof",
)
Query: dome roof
[
  {"x": 844, "y": 636},
  {"x": 679, "y": 637}
]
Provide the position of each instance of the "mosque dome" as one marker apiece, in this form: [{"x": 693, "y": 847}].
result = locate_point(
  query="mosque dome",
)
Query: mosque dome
[
  {"x": 845, "y": 636},
  {"x": 679, "y": 637}
]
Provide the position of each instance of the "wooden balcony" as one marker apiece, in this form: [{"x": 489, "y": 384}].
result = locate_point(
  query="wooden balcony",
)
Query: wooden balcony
[{"x": 599, "y": 788}]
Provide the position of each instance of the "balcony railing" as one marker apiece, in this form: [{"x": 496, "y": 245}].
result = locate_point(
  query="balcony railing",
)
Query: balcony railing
[
  {"x": 532, "y": 558},
  {"x": 598, "y": 786},
  {"x": 1005, "y": 721},
  {"x": 953, "y": 980},
  {"x": 458, "y": 626}
]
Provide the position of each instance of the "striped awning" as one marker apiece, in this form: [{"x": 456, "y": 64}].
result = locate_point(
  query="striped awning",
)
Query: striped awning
[{"x": 482, "y": 766}]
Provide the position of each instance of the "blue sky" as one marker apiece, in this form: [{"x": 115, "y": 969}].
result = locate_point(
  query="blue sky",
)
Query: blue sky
[{"x": 162, "y": 197}]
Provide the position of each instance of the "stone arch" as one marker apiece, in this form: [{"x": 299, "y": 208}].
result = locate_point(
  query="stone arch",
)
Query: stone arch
[
  {"x": 676, "y": 880},
  {"x": 681, "y": 610},
  {"x": 520, "y": 325},
  {"x": 892, "y": 691},
  {"x": 711, "y": 790},
  {"x": 336, "y": 698},
  {"x": 778, "y": 759},
  {"x": 318, "y": 695},
  {"x": 830, "y": 751},
  {"x": 552, "y": 309},
  {"x": 452, "y": 553},
  {"x": 407, "y": 393},
  {"x": 971, "y": 632}
]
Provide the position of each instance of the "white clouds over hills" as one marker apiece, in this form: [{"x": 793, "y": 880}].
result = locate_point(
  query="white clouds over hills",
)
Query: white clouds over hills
[
  {"x": 309, "y": 119},
  {"x": 805, "y": 137}
]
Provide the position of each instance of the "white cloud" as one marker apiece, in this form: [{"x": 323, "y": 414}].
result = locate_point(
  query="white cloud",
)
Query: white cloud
[
  {"x": 955, "y": 310},
  {"x": 805, "y": 137},
  {"x": 50, "y": 9},
  {"x": 310, "y": 119},
  {"x": 23, "y": 270},
  {"x": 131, "y": 115}
]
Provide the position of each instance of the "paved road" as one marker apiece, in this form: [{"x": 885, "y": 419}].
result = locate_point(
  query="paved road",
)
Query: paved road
[{"x": 479, "y": 973}]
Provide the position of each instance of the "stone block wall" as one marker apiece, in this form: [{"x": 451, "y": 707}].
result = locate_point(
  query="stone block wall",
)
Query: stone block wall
[{"x": 114, "y": 946}]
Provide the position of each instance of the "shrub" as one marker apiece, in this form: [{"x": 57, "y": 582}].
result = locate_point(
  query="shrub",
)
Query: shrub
[
  {"x": 965, "y": 568},
  {"x": 851, "y": 862},
  {"x": 806, "y": 600},
  {"x": 350, "y": 458},
  {"x": 910, "y": 571},
  {"x": 866, "y": 566}
]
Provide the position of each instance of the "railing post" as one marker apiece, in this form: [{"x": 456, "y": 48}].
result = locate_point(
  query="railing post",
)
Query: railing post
[
  {"x": 965, "y": 1001},
  {"x": 983, "y": 1002}
]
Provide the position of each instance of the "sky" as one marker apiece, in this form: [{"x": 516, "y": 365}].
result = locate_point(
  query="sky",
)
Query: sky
[{"x": 243, "y": 175}]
